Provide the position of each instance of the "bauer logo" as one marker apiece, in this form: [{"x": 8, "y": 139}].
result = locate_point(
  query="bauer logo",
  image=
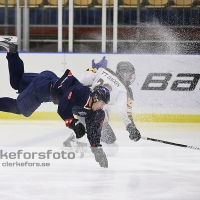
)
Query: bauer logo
[{"x": 160, "y": 81}]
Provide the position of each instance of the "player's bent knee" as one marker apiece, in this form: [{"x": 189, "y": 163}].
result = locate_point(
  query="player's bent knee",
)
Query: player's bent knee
[
  {"x": 110, "y": 149},
  {"x": 27, "y": 115}
]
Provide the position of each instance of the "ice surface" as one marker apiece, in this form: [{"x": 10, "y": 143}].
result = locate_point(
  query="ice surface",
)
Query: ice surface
[{"x": 143, "y": 170}]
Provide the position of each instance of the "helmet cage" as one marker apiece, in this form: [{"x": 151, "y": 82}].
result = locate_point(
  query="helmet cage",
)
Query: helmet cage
[{"x": 131, "y": 79}]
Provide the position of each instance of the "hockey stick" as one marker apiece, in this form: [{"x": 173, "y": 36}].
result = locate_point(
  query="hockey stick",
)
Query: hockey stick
[{"x": 170, "y": 143}]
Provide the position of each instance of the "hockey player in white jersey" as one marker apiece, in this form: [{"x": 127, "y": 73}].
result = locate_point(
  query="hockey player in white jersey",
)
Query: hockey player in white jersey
[{"x": 120, "y": 94}]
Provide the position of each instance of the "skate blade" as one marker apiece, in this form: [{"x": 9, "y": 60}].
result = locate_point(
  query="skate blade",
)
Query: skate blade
[
  {"x": 63, "y": 148},
  {"x": 11, "y": 39}
]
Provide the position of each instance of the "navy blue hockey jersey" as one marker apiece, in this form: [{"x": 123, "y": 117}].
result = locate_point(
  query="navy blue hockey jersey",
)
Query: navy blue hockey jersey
[{"x": 72, "y": 98}]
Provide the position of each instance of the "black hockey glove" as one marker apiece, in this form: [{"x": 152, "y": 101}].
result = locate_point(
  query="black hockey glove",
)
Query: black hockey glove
[
  {"x": 134, "y": 133},
  {"x": 100, "y": 156},
  {"x": 78, "y": 128}
]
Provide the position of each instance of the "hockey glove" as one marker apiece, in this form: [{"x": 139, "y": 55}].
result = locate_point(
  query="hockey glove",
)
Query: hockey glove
[
  {"x": 78, "y": 128},
  {"x": 134, "y": 133},
  {"x": 100, "y": 156}
]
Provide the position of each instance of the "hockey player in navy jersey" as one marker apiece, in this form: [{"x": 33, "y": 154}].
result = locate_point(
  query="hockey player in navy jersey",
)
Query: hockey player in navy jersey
[{"x": 66, "y": 92}]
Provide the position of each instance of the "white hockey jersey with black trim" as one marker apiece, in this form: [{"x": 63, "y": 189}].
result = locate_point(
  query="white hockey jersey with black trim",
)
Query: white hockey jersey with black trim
[{"x": 118, "y": 92}]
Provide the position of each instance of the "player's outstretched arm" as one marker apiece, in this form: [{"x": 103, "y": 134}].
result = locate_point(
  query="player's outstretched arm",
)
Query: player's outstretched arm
[
  {"x": 100, "y": 155},
  {"x": 94, "y": 122}
]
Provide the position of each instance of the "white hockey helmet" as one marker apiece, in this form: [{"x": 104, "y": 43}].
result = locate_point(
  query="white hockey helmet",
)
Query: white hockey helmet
[{"x": 125, "y": 72}]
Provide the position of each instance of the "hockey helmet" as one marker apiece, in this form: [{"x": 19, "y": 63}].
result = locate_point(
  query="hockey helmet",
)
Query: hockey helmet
[
  {"x": 100, "y": 93},
  {"x": 125, "y": 72}
]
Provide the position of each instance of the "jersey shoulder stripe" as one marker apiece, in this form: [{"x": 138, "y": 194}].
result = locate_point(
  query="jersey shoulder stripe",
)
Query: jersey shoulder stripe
[{"x": 94, "y": 70}]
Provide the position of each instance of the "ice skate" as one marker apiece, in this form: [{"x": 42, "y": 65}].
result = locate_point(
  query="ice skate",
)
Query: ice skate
[
  {"x": 78, "y": 148},
  {"x": 9, "y": 43},
  {"x": 67, "y": 143},
  {"x": 75, "y": 146}
]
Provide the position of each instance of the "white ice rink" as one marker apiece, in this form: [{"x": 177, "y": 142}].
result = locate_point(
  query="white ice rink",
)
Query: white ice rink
[{"x": 143, "y": 170}]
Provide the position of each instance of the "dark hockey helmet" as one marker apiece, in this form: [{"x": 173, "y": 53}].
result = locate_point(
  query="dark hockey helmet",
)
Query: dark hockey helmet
[
  {"x": 100, "y": 93},
  {"x": 125, "y": 72}
]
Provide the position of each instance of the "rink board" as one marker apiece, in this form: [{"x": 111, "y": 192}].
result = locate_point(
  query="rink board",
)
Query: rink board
[
  {"x": 187, "y": 118},
  {"x": 166, "y": 86}
]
